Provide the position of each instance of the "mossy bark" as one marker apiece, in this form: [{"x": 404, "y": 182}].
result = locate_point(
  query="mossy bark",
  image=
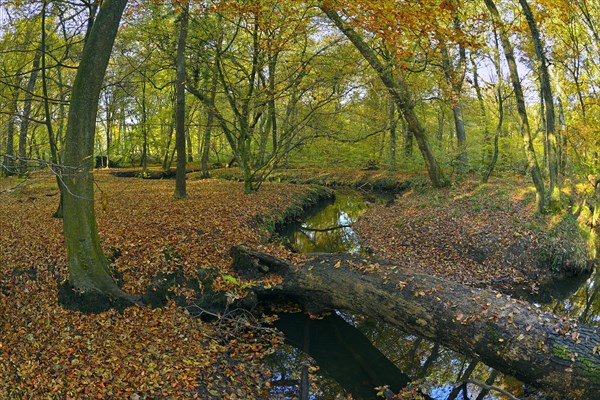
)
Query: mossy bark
[{"x": 88, "y": 268}]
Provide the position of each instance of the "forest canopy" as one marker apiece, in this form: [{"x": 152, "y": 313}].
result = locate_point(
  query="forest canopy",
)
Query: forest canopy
[{"x": 272, "y": 83}]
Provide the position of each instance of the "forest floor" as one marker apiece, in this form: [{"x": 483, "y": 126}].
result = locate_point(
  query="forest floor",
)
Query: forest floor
[
  {"x": 475, "y": 234},
  {"x": 50, "y": 352},
  {"x": 484, "y": 235}
]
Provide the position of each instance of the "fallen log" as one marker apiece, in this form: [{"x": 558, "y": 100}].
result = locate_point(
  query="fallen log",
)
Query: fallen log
[{"x": 550, "y": 352}]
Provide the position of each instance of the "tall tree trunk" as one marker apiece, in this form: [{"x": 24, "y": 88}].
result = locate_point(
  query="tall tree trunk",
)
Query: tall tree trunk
[
  {"x": 483, "y": 113},
  {"x": 88, "y": 267},
  {"x": 549, "y": 103},
  {"x": 144, "y": 160},
  {"x": 209, "y": 119},
  {"x": 48, "y": 118},
  {"x": 271, "y": 106},
  {"x": 9, "y": 161},
  {"x": 500, "y": 100},
  {"x": 562, "y": 148},
  {"x": 189, "y": 146},
  {"x": 521, "y": 108},
  {"x": 27, "y": 112},
  {"x": 455, "y": 83},
  {"x": 180, "y": 183},
  {"x": 393, "y": 136},
  {"x": 399, "y": 92}
]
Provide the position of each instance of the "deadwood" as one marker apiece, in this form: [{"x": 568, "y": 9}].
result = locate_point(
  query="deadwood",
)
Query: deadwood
[{"x": 512, "y": 336}]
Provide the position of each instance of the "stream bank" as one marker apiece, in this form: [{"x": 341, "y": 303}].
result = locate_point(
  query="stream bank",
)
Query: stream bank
[{"x": 330, "y": 230}]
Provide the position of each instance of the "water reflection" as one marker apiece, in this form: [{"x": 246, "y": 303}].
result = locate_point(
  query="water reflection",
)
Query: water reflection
[
  {"x": 576, "y": 297},
  {"x": 328, "y": 229},
  {"x": 347, "y": 361},
  {"x": 343, "y": 356}
]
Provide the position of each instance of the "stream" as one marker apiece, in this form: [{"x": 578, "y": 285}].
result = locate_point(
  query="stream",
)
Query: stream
[{"x": 342, "y": 355}]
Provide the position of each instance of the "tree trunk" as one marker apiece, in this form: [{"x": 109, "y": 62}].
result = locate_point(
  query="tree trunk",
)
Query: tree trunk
[
  {"x": 180, "y": 183},
  {"x": 521, "y": 108},
  {"x": 393, "y": 136},
  {"x": 548, "y": 101},
  {"x": 88, "y": 267},
  {"x": 27, "y": 112},
  {"x": 539, "y": 348},
  {"x": 455, "y": 84},
  {"x": 144, "y": 160},
  {"x": 209, "y": 119},
  {"x": 48, "y": 118},
  {"x": 271, "y": 106},
  {"x": 500, "y": 99},
  {"x": 399, "y": 92},
  {"x": 9, "y": 161}
]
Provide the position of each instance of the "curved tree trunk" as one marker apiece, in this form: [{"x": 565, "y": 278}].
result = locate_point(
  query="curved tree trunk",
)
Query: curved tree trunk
[
  {"x": 511, "y": 336},
  {"x": 88, "y": 268}
]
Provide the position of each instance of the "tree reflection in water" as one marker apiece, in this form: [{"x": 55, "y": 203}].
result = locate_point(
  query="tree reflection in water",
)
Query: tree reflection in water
[{"x": 333, "y": 361}]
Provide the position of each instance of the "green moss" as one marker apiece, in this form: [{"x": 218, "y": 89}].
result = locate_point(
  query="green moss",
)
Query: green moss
[
  {"x": 492, "y": 332},
  {"x": 559, "y": 350}
]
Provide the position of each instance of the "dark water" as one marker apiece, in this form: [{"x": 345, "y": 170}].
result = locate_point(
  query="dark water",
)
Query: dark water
[
  {"x": 342, "y": 355},
  {"x": 328, "y": 228},
  {"x": 577, "y": 297}
]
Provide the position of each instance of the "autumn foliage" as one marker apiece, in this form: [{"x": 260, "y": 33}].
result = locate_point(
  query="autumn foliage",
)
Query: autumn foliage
[{"x": 48, "y": 351}]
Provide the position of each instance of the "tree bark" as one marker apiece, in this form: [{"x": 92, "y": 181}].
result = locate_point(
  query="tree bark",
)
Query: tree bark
[
  {"x": 48, "y": 117},
  {"x": 393, "y": 136},
  {"x": 539, "y": 348},
  {"x": 88, "y": 267},
  {"x": 521, "y": 108},
  {"x": 27, "y": 112},
  {"x": 455, "y": 83},
  {"x": 180, "y": 140},
  {"x": 500, "y": 99},
  {"x": 9, "y": 161},
  {"x": 209, "y": 119},
  {"x": 548, "y": 101},
  {"x": 144, "y": 160}
]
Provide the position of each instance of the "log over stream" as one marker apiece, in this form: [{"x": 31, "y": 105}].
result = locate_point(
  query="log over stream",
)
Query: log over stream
[{"x": 550, "y": 352}]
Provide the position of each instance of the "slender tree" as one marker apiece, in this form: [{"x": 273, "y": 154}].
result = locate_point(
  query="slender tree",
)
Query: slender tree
[
  {"x": 548, "y": 102},
  {"x": 180, "y": 139},
  {"x": 521, "y": 107},
  {"x": 398, "y": 91}
]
